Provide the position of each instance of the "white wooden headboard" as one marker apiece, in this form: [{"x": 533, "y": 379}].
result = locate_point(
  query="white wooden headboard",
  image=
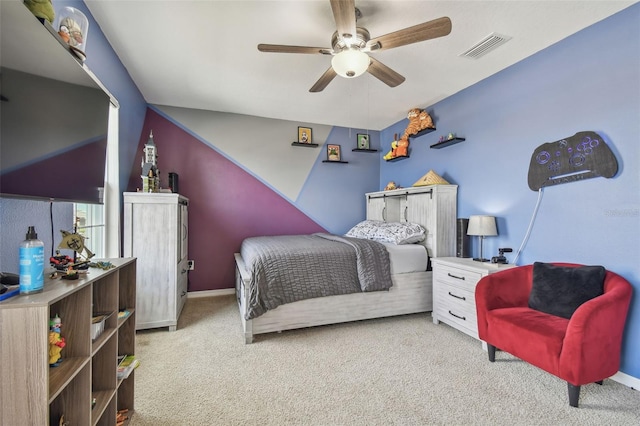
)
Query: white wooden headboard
[{"x": 434, "y": 207}]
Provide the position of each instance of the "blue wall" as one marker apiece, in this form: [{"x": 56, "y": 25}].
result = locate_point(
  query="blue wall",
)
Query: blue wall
[{"x": 589, "y": 81}]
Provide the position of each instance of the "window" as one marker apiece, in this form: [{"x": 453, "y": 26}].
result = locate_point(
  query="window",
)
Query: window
[{"x": 90, "y": 224}]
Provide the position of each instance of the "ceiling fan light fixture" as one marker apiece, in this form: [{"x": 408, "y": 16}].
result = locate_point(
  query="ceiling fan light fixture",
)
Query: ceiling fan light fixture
[{"x": 350, "y": 63}]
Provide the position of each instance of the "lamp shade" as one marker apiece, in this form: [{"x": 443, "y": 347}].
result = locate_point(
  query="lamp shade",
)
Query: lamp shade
[
  {"x": 482, "y": 225},
  {"x": 350, "y": 63}
]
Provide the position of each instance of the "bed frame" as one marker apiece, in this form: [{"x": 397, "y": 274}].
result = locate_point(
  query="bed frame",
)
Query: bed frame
[
  {"x": 411, "y": 293},
  {"x": 434, "y": 207}
]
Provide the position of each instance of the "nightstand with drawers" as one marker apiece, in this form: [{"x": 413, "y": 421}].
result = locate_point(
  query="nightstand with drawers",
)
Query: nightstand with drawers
[{"x": 454, "y": 286}]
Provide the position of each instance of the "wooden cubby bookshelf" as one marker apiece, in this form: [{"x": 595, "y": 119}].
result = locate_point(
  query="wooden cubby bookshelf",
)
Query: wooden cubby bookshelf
[{"x": 34, "y": 392}]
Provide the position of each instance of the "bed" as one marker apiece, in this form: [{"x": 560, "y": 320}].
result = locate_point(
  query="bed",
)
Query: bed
[{"x": 406, "y": 288}]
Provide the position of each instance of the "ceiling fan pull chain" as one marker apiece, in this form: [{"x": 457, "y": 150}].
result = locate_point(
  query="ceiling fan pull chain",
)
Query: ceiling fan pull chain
[{"x": 368, "y": 107}]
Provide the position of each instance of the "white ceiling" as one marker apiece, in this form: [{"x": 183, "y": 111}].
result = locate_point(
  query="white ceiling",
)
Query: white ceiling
[{"x": 203, "y": 54}]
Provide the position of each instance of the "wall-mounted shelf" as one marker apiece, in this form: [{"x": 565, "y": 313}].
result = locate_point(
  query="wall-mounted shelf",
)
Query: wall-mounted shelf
[
  {"x": 333, "y": 161},
  {"x": 364, "y": 150},
  {"x": 308, "y": 145},
  {"x": 398, "y": 158},
  {"x": 422, "y": 132},
  {"x": 447, "y": 143}
]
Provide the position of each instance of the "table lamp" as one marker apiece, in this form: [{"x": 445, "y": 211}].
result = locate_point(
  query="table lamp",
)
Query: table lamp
[{"x": 482, "y": 226}]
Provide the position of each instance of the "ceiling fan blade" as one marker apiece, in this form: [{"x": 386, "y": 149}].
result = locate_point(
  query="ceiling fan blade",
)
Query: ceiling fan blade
[
  {"x": 323, "y": 81},
  {"x": 384, "y": 73},
  {"x": 280, "y": 48},
  {"x": 344, "y": 13},
  {"x": 426, "y": 31}
]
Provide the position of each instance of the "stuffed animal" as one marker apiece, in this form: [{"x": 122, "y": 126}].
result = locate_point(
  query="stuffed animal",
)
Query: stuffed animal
[
  {"x": 390, "y": 186},
  {"x": 42, "y": 9},
  {"x": 56, "y": 343},
  {"x": 425, "y": 121},
  {"x": 392, "y": 153},
  {"x": 414, "y": 123},
  {"x": 403, "y": 148},
  {"x": 418, "y": 120}
]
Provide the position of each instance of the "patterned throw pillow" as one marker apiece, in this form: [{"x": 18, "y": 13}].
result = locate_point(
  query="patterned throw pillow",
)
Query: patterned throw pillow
[{"x": 388, "y": 232}]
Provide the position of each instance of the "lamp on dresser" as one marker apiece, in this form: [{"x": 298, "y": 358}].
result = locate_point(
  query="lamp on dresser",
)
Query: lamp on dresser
[{"x": 482, "y": 226}]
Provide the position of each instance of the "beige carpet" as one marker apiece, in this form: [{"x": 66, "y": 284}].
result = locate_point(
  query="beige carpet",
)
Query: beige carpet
[{"x": 394, "y": 371}]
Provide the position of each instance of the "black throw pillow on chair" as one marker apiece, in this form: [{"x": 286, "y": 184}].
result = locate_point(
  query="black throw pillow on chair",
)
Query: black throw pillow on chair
[{"x": 559, "y": 290}]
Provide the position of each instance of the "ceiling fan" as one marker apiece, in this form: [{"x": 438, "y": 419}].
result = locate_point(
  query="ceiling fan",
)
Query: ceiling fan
[{"x": 350, "y": 46}]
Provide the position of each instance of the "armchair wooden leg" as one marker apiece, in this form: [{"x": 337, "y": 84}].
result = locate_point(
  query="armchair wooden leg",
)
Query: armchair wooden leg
[
  {"x": 491, "y": 350},
  {"x": 574, "y": 394},
  {"x": 600, "y": 382}
]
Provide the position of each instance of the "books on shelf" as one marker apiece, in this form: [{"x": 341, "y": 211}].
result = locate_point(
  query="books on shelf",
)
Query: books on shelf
[
  {"x": 126, "y": 364},
  {"x": 122, "y": 314}
]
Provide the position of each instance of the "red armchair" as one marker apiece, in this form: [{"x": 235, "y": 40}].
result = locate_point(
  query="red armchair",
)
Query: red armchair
[{"x": 581, "y": 350}]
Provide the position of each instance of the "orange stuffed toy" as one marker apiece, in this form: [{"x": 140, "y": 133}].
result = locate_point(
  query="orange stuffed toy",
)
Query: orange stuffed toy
[
  {"x": 418, "y": 120},
  {"x": 403, "y": 148},
  {"x": 425, "y": 121},
  {"x": 414, "y": 123}
]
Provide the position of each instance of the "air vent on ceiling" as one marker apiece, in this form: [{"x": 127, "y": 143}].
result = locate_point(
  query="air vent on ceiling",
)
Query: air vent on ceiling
[{"x": 489, "y": 43}]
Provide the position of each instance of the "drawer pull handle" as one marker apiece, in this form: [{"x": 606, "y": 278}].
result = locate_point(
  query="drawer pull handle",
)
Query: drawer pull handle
[
  {"x": 457, "y": 297},
  {"x": 462, "y": 318},
  {"x": 455, "y": 276}
]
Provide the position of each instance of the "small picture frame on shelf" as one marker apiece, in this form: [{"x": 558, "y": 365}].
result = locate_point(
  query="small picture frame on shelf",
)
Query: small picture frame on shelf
[
  {"x": 363, "y": 141},
  {"x": 333, "y": 152},
  {"x": 304, "y": 135}
]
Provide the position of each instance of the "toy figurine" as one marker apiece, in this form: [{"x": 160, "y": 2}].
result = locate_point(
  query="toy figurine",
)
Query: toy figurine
[
  {"x": 391, "y": 186},
  {"x": 56, "y": 342},
  {"x": 392, "y": 152},
  {"x": 42, "y": 9}
]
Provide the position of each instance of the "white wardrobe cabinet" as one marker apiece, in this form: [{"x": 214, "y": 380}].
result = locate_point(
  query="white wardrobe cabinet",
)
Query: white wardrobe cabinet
[
  {"x": 433, "y": 205},
  {"x": 156, "y": 232}
]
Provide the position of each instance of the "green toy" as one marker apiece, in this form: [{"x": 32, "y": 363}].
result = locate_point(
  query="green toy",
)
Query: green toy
[{"x": 42, "y": 9}]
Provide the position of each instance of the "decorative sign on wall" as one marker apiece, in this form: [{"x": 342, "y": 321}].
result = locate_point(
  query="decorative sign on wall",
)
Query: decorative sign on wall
[{"x": 584, "y": 155}]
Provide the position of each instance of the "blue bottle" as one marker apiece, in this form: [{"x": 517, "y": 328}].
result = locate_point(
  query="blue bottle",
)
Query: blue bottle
[{"x": 31, "y": 263}]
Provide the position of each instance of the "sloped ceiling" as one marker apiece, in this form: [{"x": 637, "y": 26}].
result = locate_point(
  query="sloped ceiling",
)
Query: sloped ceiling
[{"x": 203, "y": 54}]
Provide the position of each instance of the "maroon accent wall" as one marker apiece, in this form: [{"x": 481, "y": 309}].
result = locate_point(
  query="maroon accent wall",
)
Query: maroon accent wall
[{"x": 226, "y": 204}]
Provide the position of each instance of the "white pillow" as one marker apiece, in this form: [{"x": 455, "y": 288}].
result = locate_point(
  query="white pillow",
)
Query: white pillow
[{"x": 388, "y": 232}]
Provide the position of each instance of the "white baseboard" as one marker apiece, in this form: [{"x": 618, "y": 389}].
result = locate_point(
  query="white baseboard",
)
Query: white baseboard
[
  {"x": 625, "y": 379},
  {"x": 211, "y": 293}
]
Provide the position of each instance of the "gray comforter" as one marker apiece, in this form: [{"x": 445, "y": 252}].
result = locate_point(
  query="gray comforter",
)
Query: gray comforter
[{"x": 288, "y": 268}]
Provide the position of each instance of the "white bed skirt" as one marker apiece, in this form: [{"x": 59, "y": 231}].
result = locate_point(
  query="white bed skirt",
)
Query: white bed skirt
[{"x": 410, "y": 293}]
